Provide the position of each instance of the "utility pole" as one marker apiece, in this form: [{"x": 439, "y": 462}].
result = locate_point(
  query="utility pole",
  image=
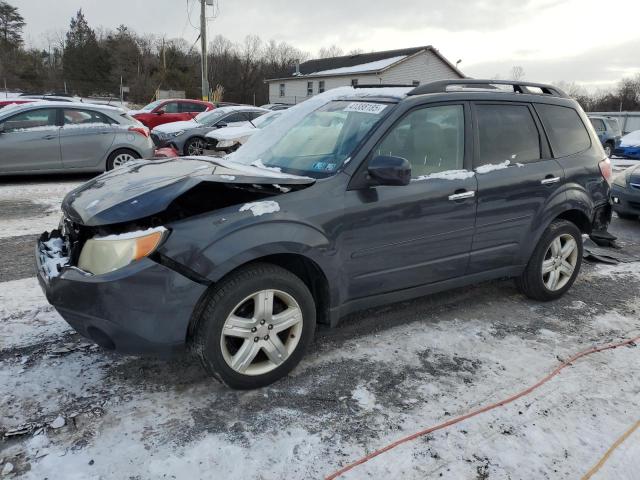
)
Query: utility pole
[{"x": 203, "y": 44}]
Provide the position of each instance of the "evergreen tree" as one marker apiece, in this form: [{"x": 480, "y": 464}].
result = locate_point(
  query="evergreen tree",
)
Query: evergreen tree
[
  {"x": 11, "y": 25},
  {"x": 86, "y": 64}
]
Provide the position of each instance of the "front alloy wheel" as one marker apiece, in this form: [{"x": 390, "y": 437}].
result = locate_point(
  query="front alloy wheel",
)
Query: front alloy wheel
[
  {"x": 255, "y": 326},
  {"x": 195, "y": 146},
  {"x": 261, "y": 332}
]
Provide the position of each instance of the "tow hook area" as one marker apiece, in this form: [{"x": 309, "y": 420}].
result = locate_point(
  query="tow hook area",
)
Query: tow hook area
[{"x": 54, "y": 253}]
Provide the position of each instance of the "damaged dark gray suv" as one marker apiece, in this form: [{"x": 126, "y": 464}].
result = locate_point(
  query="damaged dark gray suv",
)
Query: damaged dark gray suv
[{"x": 352, "y": 199}]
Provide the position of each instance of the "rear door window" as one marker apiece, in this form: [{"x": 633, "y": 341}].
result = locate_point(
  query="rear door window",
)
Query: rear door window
[
  {"x": 598, "y": 124},
  {"x": 190, "y": 107},
  {"x": 506, "y": 133},
  {"x": 84, "y": 117},
  {"x": 565, "y": 129},
  {"x": 235, "y": 117}
]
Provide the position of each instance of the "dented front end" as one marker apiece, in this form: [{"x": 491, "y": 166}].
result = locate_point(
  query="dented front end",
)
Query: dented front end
[{"x": 100, "y": 269}]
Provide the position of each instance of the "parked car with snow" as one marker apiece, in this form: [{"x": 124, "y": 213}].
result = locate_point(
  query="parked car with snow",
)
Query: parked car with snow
[
  {"x": 167, "y": 111},
  {"x": 188, "y": 137},
  {"x": 226, "y": 140},
  {"x": 608, "y": 132},
  {"x": 276, "y": 106},
  {"x": 352, "y": 199},
  {"x": 625, "y": 193},
  {"x": 629, "y": 146},
  {"x": 49, "y": 137}
]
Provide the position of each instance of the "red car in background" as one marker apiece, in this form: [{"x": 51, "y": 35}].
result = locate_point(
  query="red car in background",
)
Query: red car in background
[
  {"x": 13, "y": 101},
  {"x": 172, "y": 110}
]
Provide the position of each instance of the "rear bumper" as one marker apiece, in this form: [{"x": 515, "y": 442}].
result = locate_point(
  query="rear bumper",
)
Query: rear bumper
[
  {"x": 625, "y": 200},
  {"x": 144, "y": 308}
]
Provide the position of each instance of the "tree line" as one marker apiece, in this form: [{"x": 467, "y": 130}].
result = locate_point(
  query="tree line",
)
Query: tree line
[{"x": 86, "y": 61}]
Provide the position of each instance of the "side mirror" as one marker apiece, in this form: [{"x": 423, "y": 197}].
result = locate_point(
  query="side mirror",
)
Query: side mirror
[
  {"x": 386, "y": 170},
  {"x": 222, "y": 124},
  {"x": 160, "y": 112}
]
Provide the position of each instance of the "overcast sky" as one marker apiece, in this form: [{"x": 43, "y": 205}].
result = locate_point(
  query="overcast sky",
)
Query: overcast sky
[{"x": 585, "y": 41}]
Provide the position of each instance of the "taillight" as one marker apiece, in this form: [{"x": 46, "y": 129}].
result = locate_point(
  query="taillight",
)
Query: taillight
[
  {"x": 606, "y": 170},
  {"x": 144, "y": 131}
]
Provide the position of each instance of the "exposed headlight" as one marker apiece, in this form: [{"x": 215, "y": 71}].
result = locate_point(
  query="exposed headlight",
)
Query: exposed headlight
[
  {"x": 178, "y": 133},
  {"x": 226, "y": 143},
  {"x": 106, "y": 254}
]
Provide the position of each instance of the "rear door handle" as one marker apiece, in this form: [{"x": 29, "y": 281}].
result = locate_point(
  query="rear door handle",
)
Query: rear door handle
[
  {"x": 549, "y": 180},
  {"x": 50, "y": 137},
  {"x": 462, "y": 195}
]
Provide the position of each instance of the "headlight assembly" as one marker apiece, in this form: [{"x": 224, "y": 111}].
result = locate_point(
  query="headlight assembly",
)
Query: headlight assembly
[
  {"x": 226, "y": 143},
  {"x": 106, "y": 254}
]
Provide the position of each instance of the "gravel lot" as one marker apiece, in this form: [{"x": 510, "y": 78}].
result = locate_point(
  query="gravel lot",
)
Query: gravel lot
[{"x": 71, "y": 410}]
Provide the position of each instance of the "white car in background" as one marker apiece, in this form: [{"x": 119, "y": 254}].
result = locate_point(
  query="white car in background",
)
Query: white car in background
[
  {"x": 226, "y": 140},
  {"x": 188, "y": 137}
]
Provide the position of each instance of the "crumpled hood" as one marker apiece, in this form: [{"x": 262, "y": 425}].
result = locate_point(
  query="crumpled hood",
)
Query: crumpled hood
[
  {"x": 232, "y": 133},
  {"x": 174, "y": 127},
  {"x": 145, "y": 188}
]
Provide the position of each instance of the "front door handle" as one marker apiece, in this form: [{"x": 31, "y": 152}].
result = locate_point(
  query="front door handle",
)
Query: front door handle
[
  {"x": 462, "y": 195},
  {"x": 50, "y": 137},
  {"x": 549, "y": 180}
]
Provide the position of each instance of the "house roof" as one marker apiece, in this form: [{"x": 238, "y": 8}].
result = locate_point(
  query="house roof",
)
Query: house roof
[{"x": 361, "y": 63}]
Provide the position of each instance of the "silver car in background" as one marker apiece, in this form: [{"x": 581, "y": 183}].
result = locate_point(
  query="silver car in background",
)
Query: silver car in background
[
  {"x": 56, "y": 137},
  {"x": 188, "y": 137}
]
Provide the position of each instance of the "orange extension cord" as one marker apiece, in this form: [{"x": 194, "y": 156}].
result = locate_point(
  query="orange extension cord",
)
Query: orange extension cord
[{"x": 486, "y": 408}]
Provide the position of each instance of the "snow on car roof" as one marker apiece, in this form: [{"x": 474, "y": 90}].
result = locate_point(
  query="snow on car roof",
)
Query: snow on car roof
[
  {"x": 235, "y": 108},
  {"x": 630, "y": 139},
  {"x": 52, "y": 103}
]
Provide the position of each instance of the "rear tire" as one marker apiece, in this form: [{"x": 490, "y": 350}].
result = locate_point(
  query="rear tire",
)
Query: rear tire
[
  {"x": 554, "y": 264},
  {"x": 120, "y": 157},
  {"x": 248, "y": 346},
  {"x": 608, "y": 149}
]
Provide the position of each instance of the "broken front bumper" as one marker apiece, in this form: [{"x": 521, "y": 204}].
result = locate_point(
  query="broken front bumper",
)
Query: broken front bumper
[{"x": 144, "y": 307}]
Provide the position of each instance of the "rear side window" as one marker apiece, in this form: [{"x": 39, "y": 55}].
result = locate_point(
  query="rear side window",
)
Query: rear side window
[
  {"x": 506, "y": 132},
  {"x": 598, "y": 124},
  {"x": 566, "y": 131},
  {"x": 84, "y": 117},
  {"x": 188, "y": 107}
]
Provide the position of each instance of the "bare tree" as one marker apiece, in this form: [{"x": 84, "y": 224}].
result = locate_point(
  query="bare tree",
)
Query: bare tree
[
  {"x": 517, "y": 73},
  {"x": 332, "y": 51}
]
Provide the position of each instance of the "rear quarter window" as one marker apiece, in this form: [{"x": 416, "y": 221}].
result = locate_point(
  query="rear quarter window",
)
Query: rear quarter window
[{"x": 567, "y": 134}]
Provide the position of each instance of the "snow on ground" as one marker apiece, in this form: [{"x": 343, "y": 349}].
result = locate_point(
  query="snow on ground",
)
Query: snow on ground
[
  {"x": 31, "y": 207},
  {"x": 382, "y": 374}
]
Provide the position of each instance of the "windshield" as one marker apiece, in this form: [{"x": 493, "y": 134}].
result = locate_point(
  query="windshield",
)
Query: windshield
[
  {"x": 151, "y": 106},
  {"x": 319, "y": 143},
  {"x": 208, "y": 119}
]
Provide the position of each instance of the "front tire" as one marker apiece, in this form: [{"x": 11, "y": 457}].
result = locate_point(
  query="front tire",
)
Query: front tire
[
  {"x": 255, "y": 326},
  {"x": 554, "y": 264},
  {"x": 194, "y": 146},
  {"x": 608, "y": 149}
]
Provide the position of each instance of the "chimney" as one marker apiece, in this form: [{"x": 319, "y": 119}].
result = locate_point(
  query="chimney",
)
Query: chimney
[{"x": 297, "y": 68}]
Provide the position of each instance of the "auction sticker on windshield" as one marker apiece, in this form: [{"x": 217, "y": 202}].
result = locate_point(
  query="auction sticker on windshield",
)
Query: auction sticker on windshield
[{"x": 365, "y": 107}]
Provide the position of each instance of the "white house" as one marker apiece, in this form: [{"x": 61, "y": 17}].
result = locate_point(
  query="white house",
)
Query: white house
[{"x": 407, "y": 66}]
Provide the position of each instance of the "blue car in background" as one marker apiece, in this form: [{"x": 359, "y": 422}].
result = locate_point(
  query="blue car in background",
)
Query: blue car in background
[
  {"x": 608, "y": 132},
  {"x": 629, "y": 146}
]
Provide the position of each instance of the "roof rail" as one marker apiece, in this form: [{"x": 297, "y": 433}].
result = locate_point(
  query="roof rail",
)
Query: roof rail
[
  {"x": 518, "y": 86},
  {"x": 382, "y": 85}
]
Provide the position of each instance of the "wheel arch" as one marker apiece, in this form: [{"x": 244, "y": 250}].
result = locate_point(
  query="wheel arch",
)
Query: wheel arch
[
  {"x": 186, "y": 142},
  {"x": 303, "y": 267}
]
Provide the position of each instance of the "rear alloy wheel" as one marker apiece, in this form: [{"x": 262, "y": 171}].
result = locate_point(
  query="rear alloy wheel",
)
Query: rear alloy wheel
[
  {"x": 194, "y": 146},
  {"x": 121, "y": 157},
  {"x": 555, "y": 262},
  {"x": 255, "y": 326}
]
